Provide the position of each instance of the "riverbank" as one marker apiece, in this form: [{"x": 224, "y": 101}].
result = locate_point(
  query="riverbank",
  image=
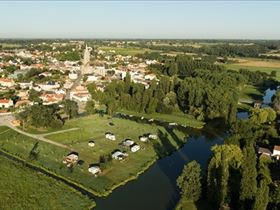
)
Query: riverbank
[{"x": 174, "y": 118}]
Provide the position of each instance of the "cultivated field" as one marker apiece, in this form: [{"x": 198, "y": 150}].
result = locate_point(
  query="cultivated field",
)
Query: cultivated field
[{"x": 23, "y": 188}]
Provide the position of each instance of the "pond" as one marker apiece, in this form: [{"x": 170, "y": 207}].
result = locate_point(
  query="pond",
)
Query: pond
[{"x": 156, "y": 189}]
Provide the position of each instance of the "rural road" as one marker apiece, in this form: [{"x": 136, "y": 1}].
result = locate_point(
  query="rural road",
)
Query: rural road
[{"x": 5, "y": 120}]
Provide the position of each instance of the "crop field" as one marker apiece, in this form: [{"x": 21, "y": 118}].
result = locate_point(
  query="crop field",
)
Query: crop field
[
  {"x": 23, "y": 188},
  {"x": 93, "y": 128}
]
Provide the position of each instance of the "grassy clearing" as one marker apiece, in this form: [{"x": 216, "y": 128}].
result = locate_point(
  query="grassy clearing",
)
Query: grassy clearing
[
  {"x": 185, "y": 204},
  {"x": 247, "y": 96},
  {"x": 127, "y": 51},
  {"x": 182, "y": 119},
  {"x": 23, "y": 188},
  {"x": 94, "y": 127}
]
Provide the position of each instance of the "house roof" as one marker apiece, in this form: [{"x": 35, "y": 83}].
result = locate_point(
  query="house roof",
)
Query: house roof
[
  {"x": 276, "y": 147},
  {"x": 4, "y": 101},
  {"x": 264, "y": 150}
]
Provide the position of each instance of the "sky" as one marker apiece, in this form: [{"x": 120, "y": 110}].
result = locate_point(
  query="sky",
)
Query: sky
[{"x": 140, "y": 19}]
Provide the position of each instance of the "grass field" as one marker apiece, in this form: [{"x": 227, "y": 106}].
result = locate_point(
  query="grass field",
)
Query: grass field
[
  {"x": 255, "y": 64},
  {"x": 23, "y": 188},
  {"x": 181, "y": 119},
  {"x": 248, "y": 95},
  {"x": 94, "y": 127},
  {"x": 127, "y": 51}
]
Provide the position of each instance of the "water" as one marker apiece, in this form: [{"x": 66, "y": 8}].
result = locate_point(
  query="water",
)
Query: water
[{"x": 156, "y": 189}]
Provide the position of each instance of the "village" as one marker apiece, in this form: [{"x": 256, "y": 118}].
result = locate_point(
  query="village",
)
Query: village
[{"x": 57, "y": 73}]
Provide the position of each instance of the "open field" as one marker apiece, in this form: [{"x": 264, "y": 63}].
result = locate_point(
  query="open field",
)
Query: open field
[
  {"x": 182, "y": 119},
  {"x": 127, "y": 51},
  {"x": 247, "y": 96},
  {"x": 266, "y": 66},
  {"x": 23, "y": 188},
  {"x": 9, "y": 45},
  {"x": 94, "y": 127}
]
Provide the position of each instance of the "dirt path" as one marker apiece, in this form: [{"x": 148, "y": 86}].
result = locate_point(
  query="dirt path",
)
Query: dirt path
[
  {"x": 57, "y": 132},
  {"x": 38, "y": 137}
]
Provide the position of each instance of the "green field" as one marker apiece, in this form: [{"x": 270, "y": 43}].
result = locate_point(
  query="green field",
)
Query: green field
[
  {"x": 255, "y": 68},
  {"x": 94, "y": 127},
  {"x": 127, "y": 50},
  {"x": 247, "y": 96},
  {"x": 181, "y": 119},
  {"x": 23, "y": 188}
]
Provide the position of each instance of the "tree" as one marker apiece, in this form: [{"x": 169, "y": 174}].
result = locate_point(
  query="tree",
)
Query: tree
[
  {"x": 248, "y": 184},
  {"x": 262, "y": 196},
  {"x": 34, "y": 95},
  {"x": 70, "y": 108},
  {"x": 190, "y": 181},
  {"x": 224, "y": 157},
  {"x": 34, "y": 153},
  {"x": 90, "y": 107}
]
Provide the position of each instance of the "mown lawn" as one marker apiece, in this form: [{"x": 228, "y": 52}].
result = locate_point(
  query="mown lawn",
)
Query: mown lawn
[
  {"x": 93, "y": 128},
  {"x": 23, "y": 188},
  {"x": 181, "y": 119}
]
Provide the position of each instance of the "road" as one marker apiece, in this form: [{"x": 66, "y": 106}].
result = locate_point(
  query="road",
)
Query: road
[{"x": 6, "y": 121}]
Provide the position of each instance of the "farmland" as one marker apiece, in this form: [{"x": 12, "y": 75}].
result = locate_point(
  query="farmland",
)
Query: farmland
[
  {"x": 126, "y": 50},
  {"x": 23, "y": 188},
  {"x": 256, "y": 64}
]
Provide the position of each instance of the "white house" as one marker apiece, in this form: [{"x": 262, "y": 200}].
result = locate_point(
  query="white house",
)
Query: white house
[
  {"x": 94, "y": 170},
  {"x": 134, "y": 148},
  {"x": 276, "y": 152},
  {"x": 73, "y": 76},
  {"x": 6, "y": 103},
  {"x": 152, "y": 136},
  {"x": 110, "y": 136},
  {"x": 143, "y": 138},
  {"x": 150, "y": 77},
  {"x": 128, "y": 142},
  {"x": 6, "y": 82},
  {"x": 118, "y": 155}
]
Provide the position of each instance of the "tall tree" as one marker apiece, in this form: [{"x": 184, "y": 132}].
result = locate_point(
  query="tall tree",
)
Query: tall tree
[
  {"x": 248, "y": 184},
  {"x": 70, "y": 108},
  {"x": 190, "y": 181}
]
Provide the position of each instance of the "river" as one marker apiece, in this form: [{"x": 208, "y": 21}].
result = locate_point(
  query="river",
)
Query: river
[{"x": 156, "y": 189}]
